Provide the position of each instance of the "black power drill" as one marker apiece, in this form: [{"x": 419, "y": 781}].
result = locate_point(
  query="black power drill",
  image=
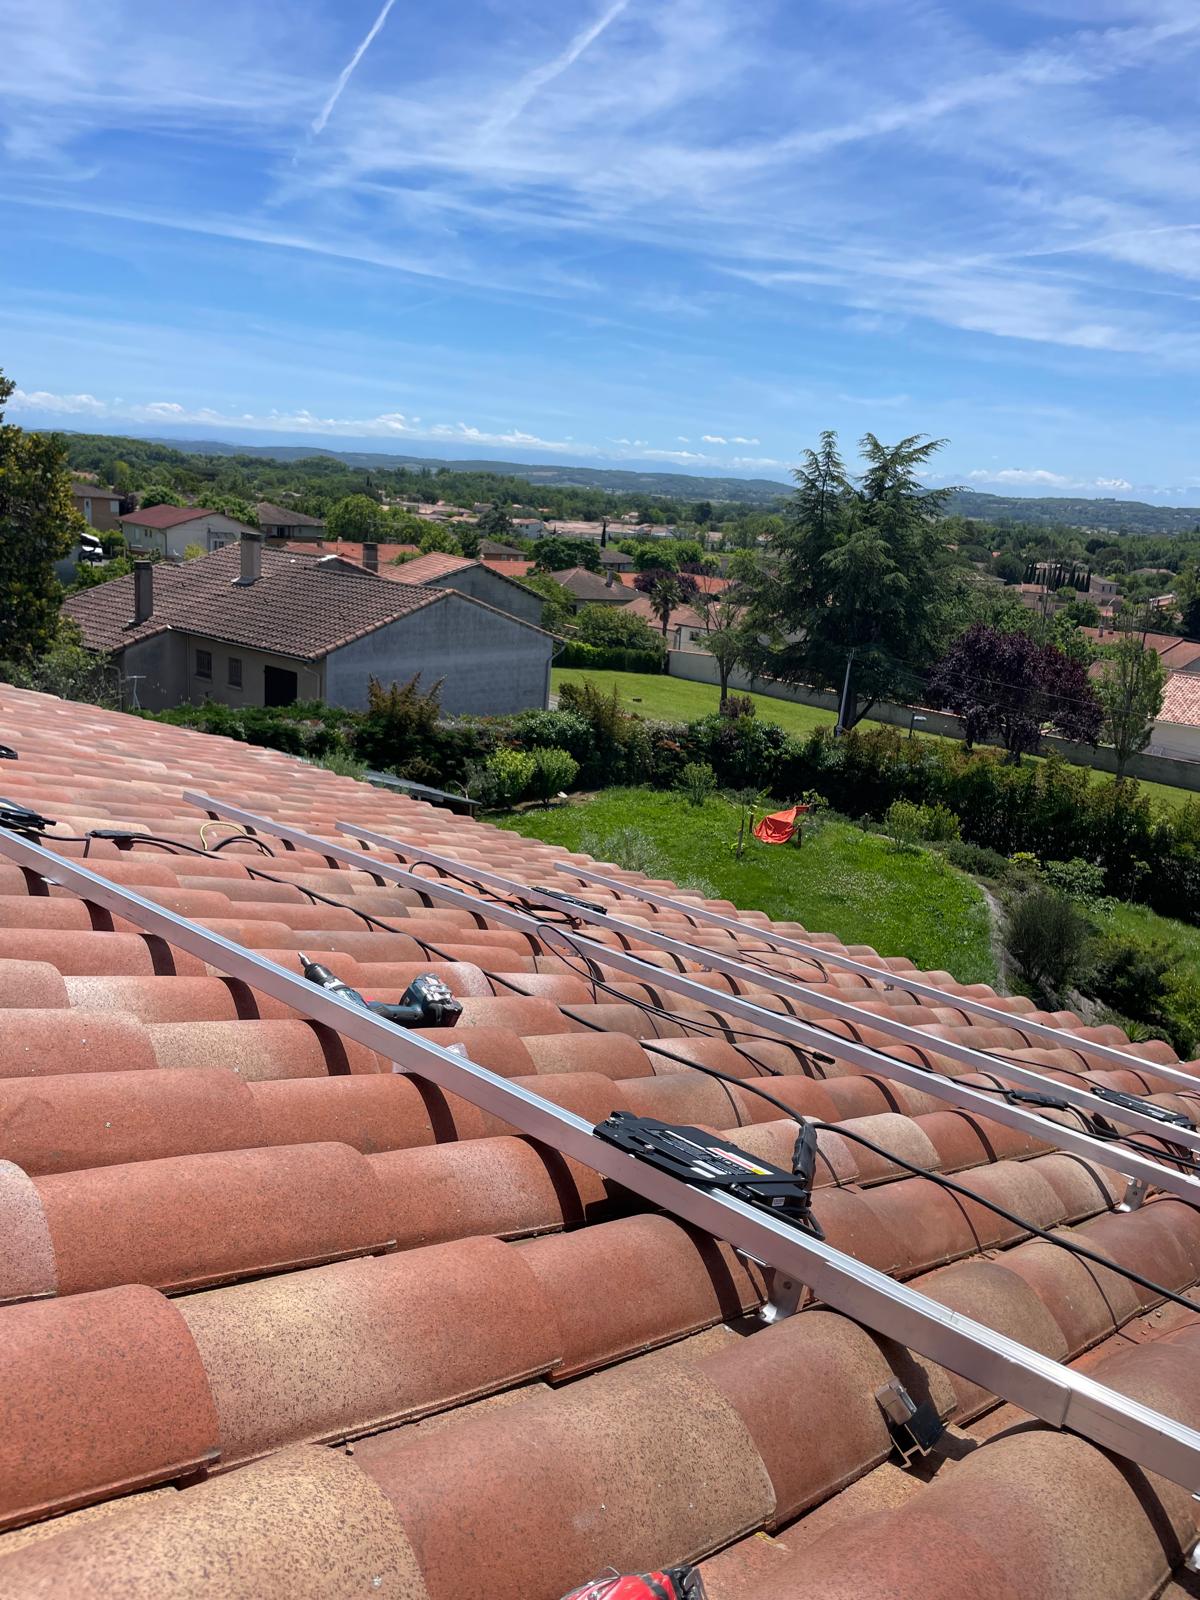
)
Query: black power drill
[{"x": 426, "y": 1003}]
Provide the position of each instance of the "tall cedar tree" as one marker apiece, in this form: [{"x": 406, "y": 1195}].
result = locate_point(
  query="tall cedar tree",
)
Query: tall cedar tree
[
  {"x": 38, "y": 525},
  {"x": 859, "y": 568},
  {"x": 1009, "y": 685}
]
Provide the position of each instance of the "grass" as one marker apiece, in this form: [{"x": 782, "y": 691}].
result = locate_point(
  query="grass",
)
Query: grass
[
  {"x": 843, "y": 881},
  {"x": 666, "y": 699}
]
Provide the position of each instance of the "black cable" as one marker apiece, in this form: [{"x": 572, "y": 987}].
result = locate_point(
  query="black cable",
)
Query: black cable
[{"x": 743, "y": 1083}]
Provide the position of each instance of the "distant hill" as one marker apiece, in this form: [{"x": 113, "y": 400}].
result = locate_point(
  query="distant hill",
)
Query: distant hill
[
  {"x": 676, "y": 485},
  {"x": 1106, "y": 516}
]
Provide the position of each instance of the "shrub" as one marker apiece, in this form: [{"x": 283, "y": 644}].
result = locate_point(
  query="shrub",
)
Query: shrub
[
  {"x": 553, "y": 771},
  {"x": 902, "y": 824},
  {"x": 698, "y": 781},
  {"x": 1046, "y": 938},
  {"x": 562, "y": 730},
  {"x": 400, "y": 721},
  {"x": 505, "y": 778},
  {"x": 1131, "y": 978},
  {"x": 628, "y": 847},
  {"x": 344, "y": 764},
  {"x": 938, "y": 824},
  {"x": 609, "y": 658},
  {"x": 737, "y": 705},
  {"x": 1076, "y": 879},
  {"x": 977, "y": 859}
]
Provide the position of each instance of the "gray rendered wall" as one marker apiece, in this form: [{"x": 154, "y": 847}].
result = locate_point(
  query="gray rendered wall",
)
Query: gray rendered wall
[
  {"x": 484, "y": 584},
  {"x": 491, "y": 664}
]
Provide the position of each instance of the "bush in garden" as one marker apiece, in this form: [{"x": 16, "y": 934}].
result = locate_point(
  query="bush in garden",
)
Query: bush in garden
[
  {"x": 1077, "y": 879},
  {"x": 505, "y": 778},
  {"x": 1047, "y": 938},
  {"x": 902, "y": 824},
  {"x": 976, "y": 859},
  {"x": 553, "y": 772},
  {"x": 698, "y": 781}
]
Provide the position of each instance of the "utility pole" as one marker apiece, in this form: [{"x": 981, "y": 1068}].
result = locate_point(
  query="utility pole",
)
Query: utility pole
[{"x": 844, "y": 705}]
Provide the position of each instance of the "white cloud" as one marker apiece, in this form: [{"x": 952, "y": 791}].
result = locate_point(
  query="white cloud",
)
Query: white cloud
[
  {"x": 347, "y": 71},
  {"x": 1023, "y": 475},
  {"x": 1041, "y": 477},
  {"x": 713, "y": 438}
]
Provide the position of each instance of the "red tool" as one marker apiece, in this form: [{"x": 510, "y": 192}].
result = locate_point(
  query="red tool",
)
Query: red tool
[{"x": 680, "y": 1583}]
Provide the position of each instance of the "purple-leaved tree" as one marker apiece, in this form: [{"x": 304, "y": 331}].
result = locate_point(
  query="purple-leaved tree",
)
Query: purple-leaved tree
[{"x": 1008, "y": 685}]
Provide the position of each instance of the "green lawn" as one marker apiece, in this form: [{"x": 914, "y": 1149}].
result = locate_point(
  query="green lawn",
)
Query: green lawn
[
  {"x": 842, "y": 881},
  {"x": 679, "y": 700}
]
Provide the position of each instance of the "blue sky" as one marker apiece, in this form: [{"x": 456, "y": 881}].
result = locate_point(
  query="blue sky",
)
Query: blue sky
[{"x": 688, "y": 232}]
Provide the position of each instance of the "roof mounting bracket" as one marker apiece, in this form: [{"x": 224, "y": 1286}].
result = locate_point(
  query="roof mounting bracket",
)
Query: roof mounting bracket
[
  {"x": 1134, "y": 1195},
  {"x": 915, "y": 1429},
  {"x": 786, "y": 1295}
]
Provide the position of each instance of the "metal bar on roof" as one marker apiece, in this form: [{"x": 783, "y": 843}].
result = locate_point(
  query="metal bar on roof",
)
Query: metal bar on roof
[
  {"x": 1128, "y": 1163},
  {"x": 1045, "y": 1388},
  {"x": 786, "y": 944},
  {"x": 800, "y": 994}
]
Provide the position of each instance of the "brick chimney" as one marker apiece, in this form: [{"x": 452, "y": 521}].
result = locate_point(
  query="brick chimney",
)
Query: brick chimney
[
  {"x": 143, "y": 591},
  {"x": 371, "y": 556},
  {"x": 252, "y": 544}
]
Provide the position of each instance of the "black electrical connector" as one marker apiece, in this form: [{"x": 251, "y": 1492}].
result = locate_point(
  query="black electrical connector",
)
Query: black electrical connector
[
  {"x": 426, "y": 1003},
  {"x": 571, "y": 899},
  {"x": 1133, "y": 1102},
  {"x": 7, "y": 753},
  {"x": 20, "y": 819},
  {"x": 707, "y": 1162}
]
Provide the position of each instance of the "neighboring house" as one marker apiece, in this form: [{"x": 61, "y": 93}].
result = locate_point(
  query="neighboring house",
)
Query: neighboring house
[
  {"x": 520, "y": 568},
  {"x": 493, "y": 550},
  {"x": 1176, "y": 654},
  {"x": 481, "y": 582},
  {"x": 260, "y": 626},
  {"x": 615, "y": 560},
  {"x": 528, "y": 527},
  {"x": 99, "y": 507},
  {"x": 382, "y": 555},
  {"x": 591, "y": 588},
  {"x": 169, "y": 530},
  {"x": 285, "y": 522},
  {"x": 1103, "y": 590},
  {"x": 1176, "y": 731},
  {"x": 685, "y": 631}
]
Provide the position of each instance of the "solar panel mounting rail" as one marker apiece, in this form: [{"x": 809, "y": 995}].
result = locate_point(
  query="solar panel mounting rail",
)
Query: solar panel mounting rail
[
  {"x": 788, "y": 989},
  {"x": 1045, "y": 1388}
]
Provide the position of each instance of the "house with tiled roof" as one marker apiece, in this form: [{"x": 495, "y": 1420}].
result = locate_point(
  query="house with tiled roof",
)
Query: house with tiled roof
[
  {"x": 254, "y": 626},
  {"x": 1176, "y": 654},
  {"x": 1176, "y": 730},
  {"x": 493, "y": 584},
  {"x": 685, "y": 626},
  {"x": 169, "y": 531},
  {"x": 285, "y": 522},
  {"x": 592, "y": 588},
  {"x": 277, "y": 1319},
  {"x": 99, "y": 507}
]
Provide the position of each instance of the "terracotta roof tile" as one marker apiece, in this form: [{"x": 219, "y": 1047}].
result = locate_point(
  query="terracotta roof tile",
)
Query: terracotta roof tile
[
  {"x": 162, "y": 1131},
  {"x": 1181, "y": 700}
]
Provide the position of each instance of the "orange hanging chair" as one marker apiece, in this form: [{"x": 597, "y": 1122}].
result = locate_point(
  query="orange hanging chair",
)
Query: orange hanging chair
[{"x": 779, "y": 827}]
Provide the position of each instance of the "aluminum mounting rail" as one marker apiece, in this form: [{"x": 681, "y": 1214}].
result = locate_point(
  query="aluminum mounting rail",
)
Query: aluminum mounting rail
[
  {"x": 1140, "y": 1170},
  {"x": 799, "y": 994},
  {"x": 1058, "y": 1395},
  {"x": 786, "y": 944}
]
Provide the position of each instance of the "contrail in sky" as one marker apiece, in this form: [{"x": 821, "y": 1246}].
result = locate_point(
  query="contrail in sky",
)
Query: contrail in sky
[
  {"x": 346, "y": 72},
  {"x": 541, "y": 76}
]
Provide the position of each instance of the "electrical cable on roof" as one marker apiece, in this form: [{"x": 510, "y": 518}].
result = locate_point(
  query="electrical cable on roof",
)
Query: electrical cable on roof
[
  {"x": 747, "y": 1084},
  {"x": 840, "y": 1130}
]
